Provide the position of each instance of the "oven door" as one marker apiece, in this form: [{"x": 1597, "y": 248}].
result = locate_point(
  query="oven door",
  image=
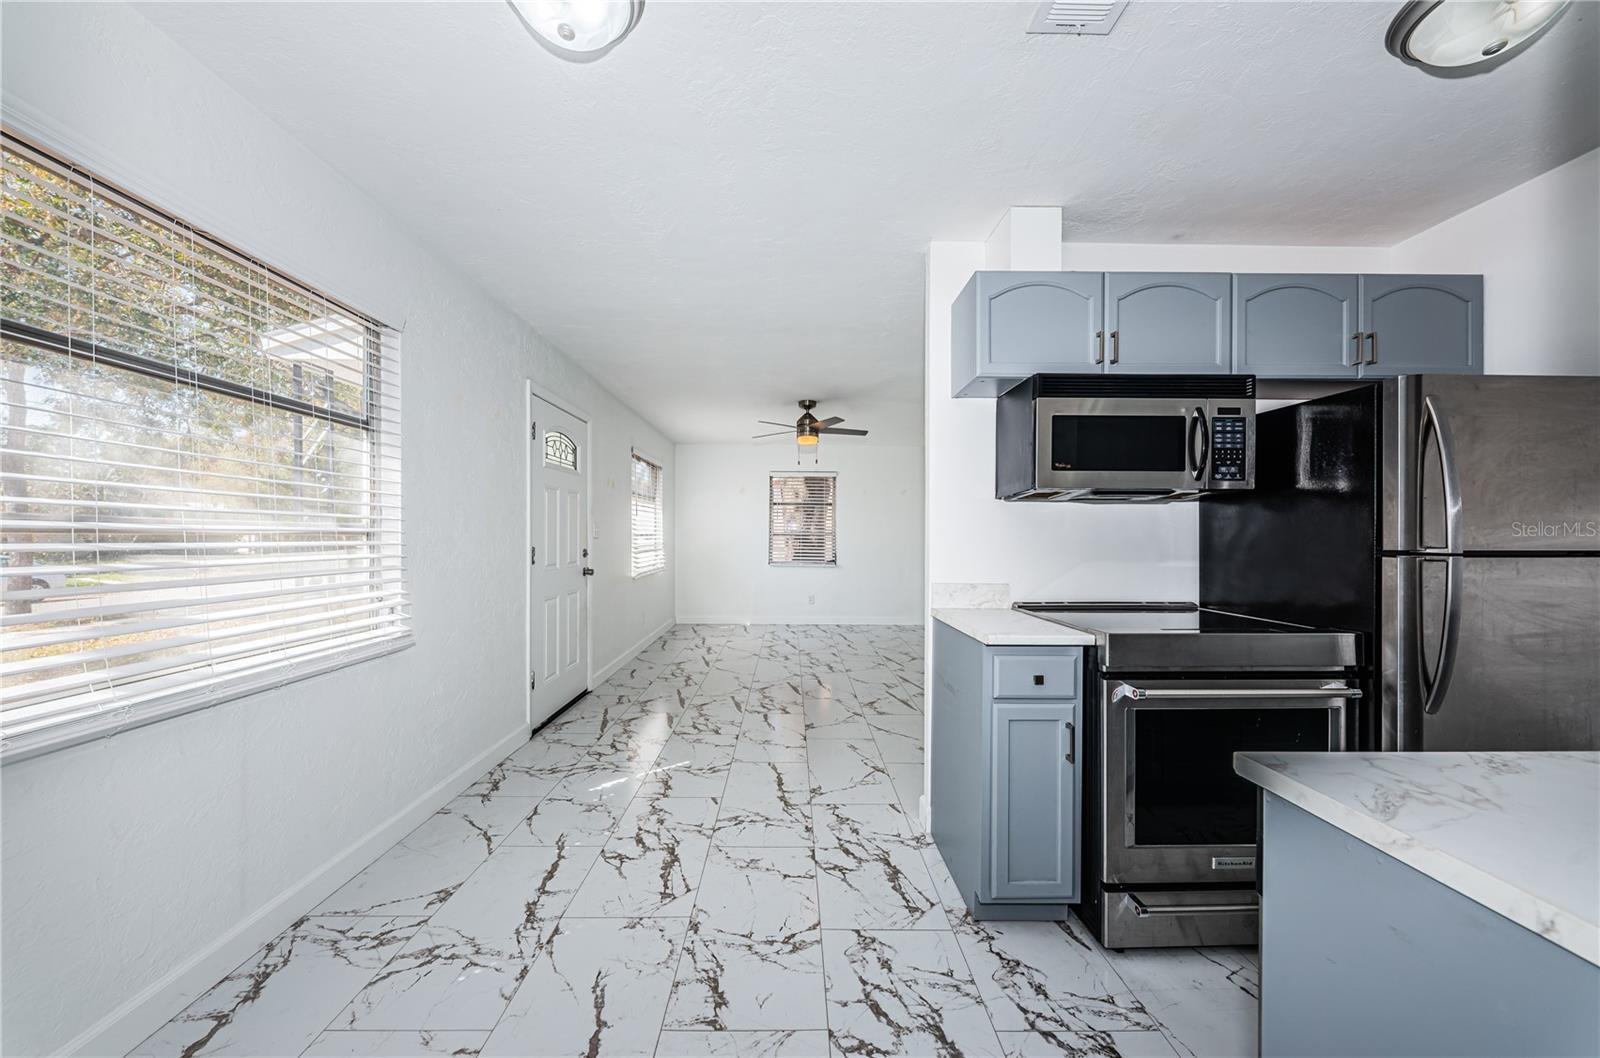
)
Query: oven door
[
  {"x": 1175, "y": 810},
  {"x": 1122, "y": 444}
]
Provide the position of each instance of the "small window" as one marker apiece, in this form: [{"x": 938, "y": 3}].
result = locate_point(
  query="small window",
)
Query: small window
[
  {"x": 800, "y": 523},
  {"x": 649, "y": 524},
  {"x": 560, "y": 451}
]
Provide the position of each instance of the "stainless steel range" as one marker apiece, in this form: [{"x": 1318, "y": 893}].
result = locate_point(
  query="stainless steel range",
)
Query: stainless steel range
[{"x": 1169, "y": 843}]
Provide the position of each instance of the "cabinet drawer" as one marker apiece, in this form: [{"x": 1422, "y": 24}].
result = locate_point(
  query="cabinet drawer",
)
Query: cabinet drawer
[{"x": 1036, "y": 676}]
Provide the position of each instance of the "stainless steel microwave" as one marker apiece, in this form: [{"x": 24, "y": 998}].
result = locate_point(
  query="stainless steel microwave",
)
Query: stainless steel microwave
[{"x": 1125, "y": 438}]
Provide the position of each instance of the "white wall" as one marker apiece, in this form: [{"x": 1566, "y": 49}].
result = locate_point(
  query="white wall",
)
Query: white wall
[
  {"x": 1538, "y": 247},
  {"x": 721, "y": 520},
  {"x": 184, "y": 844}
]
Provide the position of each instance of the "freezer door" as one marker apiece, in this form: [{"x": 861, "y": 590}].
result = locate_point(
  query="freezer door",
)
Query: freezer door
[
  {"x": 1517, "y": 458},
  {"x": 1498, "y": 653}
]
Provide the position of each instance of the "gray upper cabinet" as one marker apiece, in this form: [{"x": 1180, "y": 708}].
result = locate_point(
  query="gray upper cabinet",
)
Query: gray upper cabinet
[
  {"x": 1007, "y": 326},
  {"x": 1034, "y": 846},
  {"x": 1297, "y": 326},
  {"x": 1421, "y": 324},
  {"x": 1169, "y": 322}
]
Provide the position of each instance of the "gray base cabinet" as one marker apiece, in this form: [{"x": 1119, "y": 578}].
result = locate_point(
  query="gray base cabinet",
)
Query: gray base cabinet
[
  {"x": 1362, "y": 955},
  {"x": 1007, "y": 326},
  {"x": 1006, "y": 785}
]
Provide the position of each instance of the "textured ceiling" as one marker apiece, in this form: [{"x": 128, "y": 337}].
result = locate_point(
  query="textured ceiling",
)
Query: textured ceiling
[{"x": 729, "y": 212}]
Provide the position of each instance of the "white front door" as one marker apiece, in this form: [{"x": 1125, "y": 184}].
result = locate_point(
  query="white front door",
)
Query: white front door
[{"x": 558, "y": 513}]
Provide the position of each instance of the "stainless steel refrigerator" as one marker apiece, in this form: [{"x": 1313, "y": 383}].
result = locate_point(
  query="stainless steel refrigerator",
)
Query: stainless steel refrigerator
[
  {"x": 1491, "y": 563},
  {"x": 1455, "y": 521}
]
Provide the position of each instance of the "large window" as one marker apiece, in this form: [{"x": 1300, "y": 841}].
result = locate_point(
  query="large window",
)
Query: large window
[
  {"x": 800, "y": 522},
  {"x": 200, "y": 463},
  {"x": 649, "y": 526}
]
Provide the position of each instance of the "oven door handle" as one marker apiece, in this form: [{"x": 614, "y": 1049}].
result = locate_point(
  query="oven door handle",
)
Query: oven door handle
[
  {"x": 1141, "y": 909},
  {"x": 1127, "y": 690}
]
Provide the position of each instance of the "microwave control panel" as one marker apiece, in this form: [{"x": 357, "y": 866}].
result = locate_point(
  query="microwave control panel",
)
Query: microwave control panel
[{"x": 1227, "y": 448}]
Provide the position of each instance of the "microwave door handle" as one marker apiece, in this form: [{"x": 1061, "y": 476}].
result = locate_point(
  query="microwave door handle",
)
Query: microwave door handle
[{"x": 1197, "y": 464}]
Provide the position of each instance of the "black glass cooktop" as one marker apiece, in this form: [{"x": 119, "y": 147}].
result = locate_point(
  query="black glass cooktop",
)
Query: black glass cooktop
[
  {"x": 1172, "y": 617},
  {"x": 1176, "y": 636}
]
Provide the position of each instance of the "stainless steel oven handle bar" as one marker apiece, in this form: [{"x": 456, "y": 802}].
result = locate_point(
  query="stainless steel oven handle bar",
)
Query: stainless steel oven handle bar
[
  {"x": 1141, "y": 909},
  {"x": 1127, "y": 690}
]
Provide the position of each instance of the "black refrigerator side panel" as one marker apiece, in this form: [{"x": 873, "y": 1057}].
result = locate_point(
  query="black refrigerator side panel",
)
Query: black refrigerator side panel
[{"x": 1302, "y": 545}]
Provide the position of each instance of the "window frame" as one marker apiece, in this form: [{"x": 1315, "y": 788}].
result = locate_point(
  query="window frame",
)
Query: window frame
[
  {"x": 132, "y": 702},
  {"x": 635, "y": 455},
  {"x": 832, "y": 543}
]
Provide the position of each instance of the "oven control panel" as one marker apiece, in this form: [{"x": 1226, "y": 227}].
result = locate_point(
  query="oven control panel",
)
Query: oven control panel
[{"x": 1228, "y": 448}]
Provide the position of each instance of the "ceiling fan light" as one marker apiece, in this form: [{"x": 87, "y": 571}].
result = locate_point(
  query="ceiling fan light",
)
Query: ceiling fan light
[
  {"x": 579, "y": 30},
  {"x": 1457, "y": 38},
  {"x": 805, "y": 440}
]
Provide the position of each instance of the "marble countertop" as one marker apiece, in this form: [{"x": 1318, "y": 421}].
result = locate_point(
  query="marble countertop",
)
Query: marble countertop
[
  {"x": 1011, "y": 628},
  {"x": 1517, "y": 832}
]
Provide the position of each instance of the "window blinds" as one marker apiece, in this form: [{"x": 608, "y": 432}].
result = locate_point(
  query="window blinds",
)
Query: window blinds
[
  {"x": 200, "y": 461},
  {"x": 649, "y": 529},
  {"x": 800, "y": 527}
]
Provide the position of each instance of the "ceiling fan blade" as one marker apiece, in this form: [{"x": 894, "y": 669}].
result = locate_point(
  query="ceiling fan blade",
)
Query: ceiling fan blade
[
  {"x": 768, "y": 422},
  {"x": 778, "y": 433},
  {"x": 830, "y": 422},
  {"x": 846, "y": 433}
]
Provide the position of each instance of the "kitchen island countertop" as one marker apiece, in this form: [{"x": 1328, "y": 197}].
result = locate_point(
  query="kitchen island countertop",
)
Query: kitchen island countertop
[
  {"x": 997, "y": 627},
  {"x": 1517, "y": 832}
]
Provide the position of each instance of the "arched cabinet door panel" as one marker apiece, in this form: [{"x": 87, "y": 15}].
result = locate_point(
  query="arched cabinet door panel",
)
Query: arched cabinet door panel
[
  {"x": 1162, "y": 322},
  {"x": 1007, "y": 326},
  {"x": 1297, "y": 326},
  {"x": 1422, "y": 325}
]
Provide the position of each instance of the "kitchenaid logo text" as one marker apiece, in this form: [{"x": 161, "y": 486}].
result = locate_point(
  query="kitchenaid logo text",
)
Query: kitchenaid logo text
[{"x": 1555, "y": 528}]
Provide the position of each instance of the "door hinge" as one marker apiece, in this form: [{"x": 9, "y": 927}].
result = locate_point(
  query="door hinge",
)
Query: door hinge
[
  {"x": 533, "y": 430},
  {"x": 533, "y": 556},
  {"x": 533, "y": 682}
]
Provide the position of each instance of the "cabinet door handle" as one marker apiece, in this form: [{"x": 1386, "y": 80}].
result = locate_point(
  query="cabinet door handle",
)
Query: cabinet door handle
[
  {"x": 1357, "y": 337},
  {"x": 1072, "y": 737},
  {"x": 1116, "y": 347},
  {"x": 1038, "y": 679},
  {"x": 1372, "y": 347},
  {"x": 1099, "y": 347}
]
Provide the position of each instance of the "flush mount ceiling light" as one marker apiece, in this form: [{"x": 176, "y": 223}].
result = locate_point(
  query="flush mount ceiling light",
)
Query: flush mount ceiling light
[
  {"x": 1458, "y": 38},
  {"x": 579, "y": 30}
]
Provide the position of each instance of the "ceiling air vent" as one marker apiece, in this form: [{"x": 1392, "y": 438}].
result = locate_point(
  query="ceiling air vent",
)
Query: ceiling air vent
[{"x": 1077, "y": 16}]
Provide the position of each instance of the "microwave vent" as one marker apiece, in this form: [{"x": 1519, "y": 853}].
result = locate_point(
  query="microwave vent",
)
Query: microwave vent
[
  {"x": 1079, "y": 17},
  {"x": 1240, "y": 386}
]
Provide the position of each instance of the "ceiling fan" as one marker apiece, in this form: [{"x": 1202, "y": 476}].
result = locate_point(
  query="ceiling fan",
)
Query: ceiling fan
[{"x": 808, "y": 429}]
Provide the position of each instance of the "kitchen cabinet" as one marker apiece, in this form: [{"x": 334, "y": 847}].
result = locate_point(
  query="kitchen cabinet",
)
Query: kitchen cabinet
[
  {"x": 1033, "y": 851},
  {"x": 1421, "y": 325},
  {"x": 1005, "y": 795},
  {"x": 1007, "y": 326},
  {"x": 1169, "y": 323},
  {"x": 1297, "y": 326}
]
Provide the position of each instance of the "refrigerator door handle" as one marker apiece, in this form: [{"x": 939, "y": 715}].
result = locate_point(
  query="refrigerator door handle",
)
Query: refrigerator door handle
[
  {"x": 1436, "y": 685},
  {"x": 1433, "y": 420}
]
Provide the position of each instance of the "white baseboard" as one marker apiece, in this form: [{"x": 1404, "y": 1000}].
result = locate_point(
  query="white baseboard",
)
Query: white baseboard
[
  {"x": 129, "y": 1024},
  {"x": 806, "y": 619},
  {"x": 628, "y": 655}
]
